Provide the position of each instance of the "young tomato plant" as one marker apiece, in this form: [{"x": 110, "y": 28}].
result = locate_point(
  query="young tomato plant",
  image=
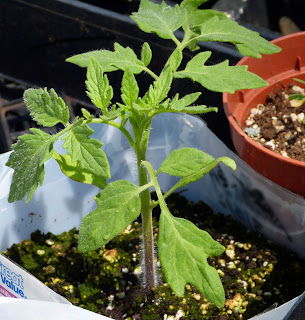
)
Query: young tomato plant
[{"x": 183, "y": 249}]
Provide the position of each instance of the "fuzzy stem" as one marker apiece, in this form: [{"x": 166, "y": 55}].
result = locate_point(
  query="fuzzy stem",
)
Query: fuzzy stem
[
  {"x": 146, "y": 212},
  {"x": 146, "y": 209}
]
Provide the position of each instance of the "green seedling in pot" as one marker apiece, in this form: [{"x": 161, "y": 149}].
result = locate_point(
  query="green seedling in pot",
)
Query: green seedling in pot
[
  {"x": 183, "y": 248},
  {"x": 299, "y": 97}
]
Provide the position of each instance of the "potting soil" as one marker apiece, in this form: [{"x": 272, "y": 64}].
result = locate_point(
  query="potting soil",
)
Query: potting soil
[
  {"x": 255, "y": 273},
  {"x": 278, "y": 124}
]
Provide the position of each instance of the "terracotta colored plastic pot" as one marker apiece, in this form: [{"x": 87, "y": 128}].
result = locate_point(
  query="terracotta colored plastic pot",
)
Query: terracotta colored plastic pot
[{"x": 278, "y": 69}]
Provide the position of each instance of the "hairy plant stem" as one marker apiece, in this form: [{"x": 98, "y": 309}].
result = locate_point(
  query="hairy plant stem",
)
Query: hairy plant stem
[
  {"x": 146, "y": 210},
  {"x": 148, "y": 241}
]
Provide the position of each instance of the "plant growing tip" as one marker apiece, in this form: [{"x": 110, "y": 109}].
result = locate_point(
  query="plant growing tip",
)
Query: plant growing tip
[{"x": 183, "y": 248}]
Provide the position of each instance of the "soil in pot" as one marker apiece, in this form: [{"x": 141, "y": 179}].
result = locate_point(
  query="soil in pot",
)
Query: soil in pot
[
  {"x": 256, "y": 274},
  {"x": 278, "y": 123}
]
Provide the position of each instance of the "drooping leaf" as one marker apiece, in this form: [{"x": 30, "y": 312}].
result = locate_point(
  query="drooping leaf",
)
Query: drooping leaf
[
  {"x": 146, "y": 54},
  {"x": 183, "y": 251},
  {"x": 117, "y": 206},
  {"x": 130, "y": 88},
  {"x": 110, "y": 60},
  {"x": 247, "y": 42},
  {"x": 47, "y": 109},
  {"x": 191, "y": 5},
  {"x": 86, "y": 151},
  {"x": 28, "y": 158},
  {"x": 161, "y": 19},
  {"x": 220, "y": 77},
  {"x": 99, "y": 90},
  {"x": 76, "y": 173}
]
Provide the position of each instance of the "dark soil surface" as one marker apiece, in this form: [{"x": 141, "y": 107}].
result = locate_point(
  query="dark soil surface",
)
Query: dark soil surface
[
  {"x": 256, "y": 274},
  {"x": 278, "y": 124}
]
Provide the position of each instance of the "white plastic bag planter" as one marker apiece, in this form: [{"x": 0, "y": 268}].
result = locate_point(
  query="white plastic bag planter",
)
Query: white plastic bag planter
[
  {"x": 252, "y": 199},
  {"x": 11, "y": 308}
]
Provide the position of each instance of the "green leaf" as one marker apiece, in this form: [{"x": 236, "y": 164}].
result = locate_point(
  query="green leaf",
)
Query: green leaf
[
  {"x": 76, "y": 173},
  {"x": 117, "y": 206},
  {"x": 198, "y": 17},
  {"x": 183, "y": 252},
  {"x": 87, "y": 114},
  {"x": 198, "y": 109},
  {"x": 110, "y": 60},
  {"x": 185, "y": 162},
  {"x": 175, "y": 59},
  {"x": 47, "y": 109},
  {"x": 28, "y": 158},
  {"x": 182, "y": 105},
  {"x": 159, "y": 18},
  {"x": 299, "y": 80},
  {"x": 146, "y": 54},
  {"x": 86, "y": 151},
  {"x": 191, "y": 5},
  {"x": 297, "y": 97},
  {"x": 99, "y": 90},
  {"x": 130, "y": 88},
  {"x": 220, "y": 77},
  {"x": 158, "y": 92},
  {"x": 247, "y": 42},
  {"x": 187, "y": 100},
  {"x": 113, "y": 114},
  {"x": 191, "y": 164},
  {"x": 206, "y": 169}
]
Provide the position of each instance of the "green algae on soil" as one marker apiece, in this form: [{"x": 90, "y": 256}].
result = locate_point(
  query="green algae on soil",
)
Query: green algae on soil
[{"x": 256, "y": 274}]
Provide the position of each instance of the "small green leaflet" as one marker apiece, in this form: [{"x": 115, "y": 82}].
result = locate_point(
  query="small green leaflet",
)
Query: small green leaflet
[
  {"x": 191, "y": 5},
  {"x": 179, "y": 104},
  {"x": 159, "y": 18},
  {"x": 110, "y": 60},
  {"x": 76, "y": 173},
  {"x": 247, "y": 42},
  {"x": 87, "y": 115},
  {"x": 118, "y": 205},
  {"x": 220, "y": 77},
  {"x": 99, "y": 90},
  {"x": 297, "y": 97},
  {"x": 158, "y": 92},
  {"x": 185, "y": 162},
  {"x": 299, "y": 80},
  {"x": 175, "y": 59},
  {"x": 183, "y": 251},
  {"x": 30, "y": 153},
  {"x": 146, "y": 54},
  {"x": 86, "y": 151},
  {"x": 191, "y": 164},
  {"x": 130, "y": 88},
  {"x": 47, "y": 109},
  {"x": 183, "y": 105}
]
